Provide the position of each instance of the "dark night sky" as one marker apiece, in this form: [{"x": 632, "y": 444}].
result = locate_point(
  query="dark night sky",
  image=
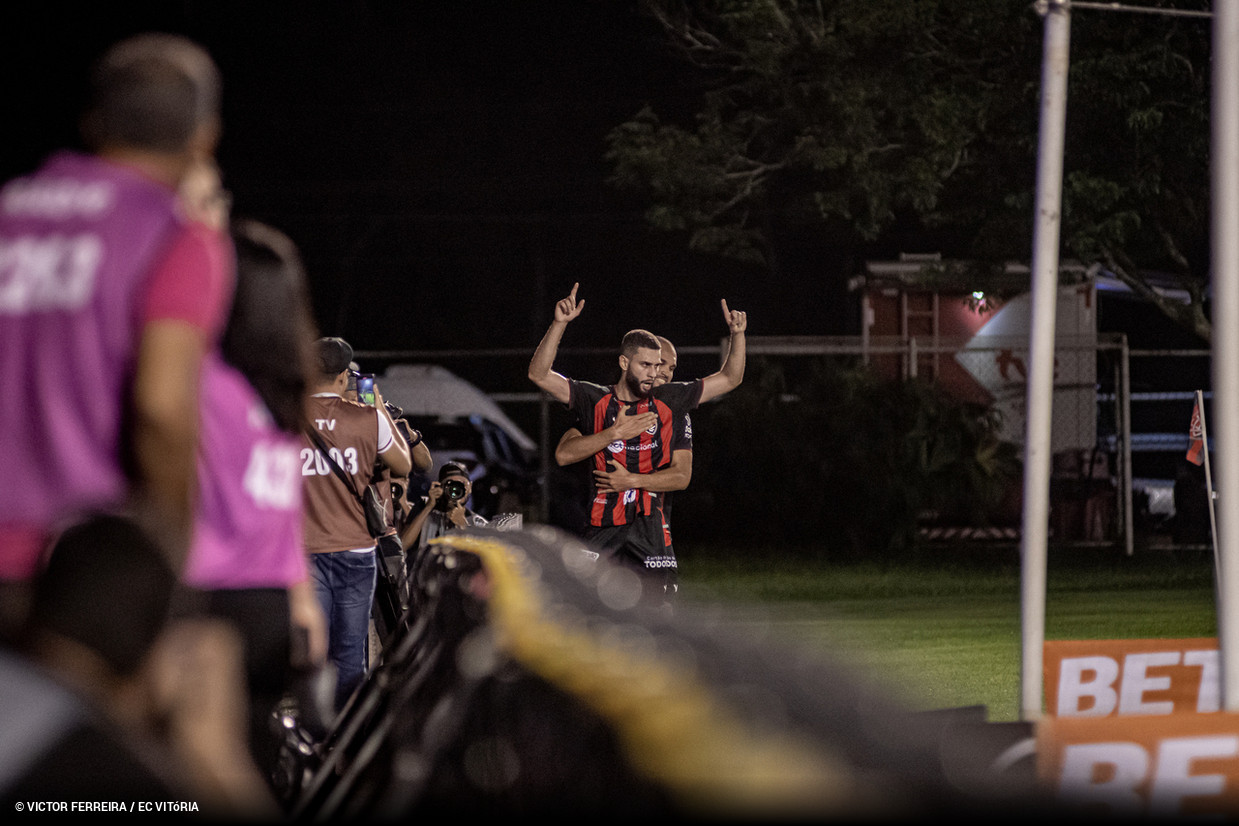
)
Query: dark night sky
[{"x": 439, "y": 163}]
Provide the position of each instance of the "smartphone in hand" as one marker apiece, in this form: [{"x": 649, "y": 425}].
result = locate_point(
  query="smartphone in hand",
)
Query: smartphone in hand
[{"x": 365, "y": 388}]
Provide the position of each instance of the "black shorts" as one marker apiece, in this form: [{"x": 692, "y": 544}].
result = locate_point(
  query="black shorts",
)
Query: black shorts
[{"x": 643, "y": 545}]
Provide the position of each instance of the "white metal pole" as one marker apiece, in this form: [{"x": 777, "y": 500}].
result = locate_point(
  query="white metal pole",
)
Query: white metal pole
[
  {"x": 1224, "y": 234},
  {"x": 1054, "y": 63}
]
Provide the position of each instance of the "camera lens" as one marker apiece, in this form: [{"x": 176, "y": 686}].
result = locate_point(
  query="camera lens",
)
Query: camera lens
[{"x": 454, "y": 489}]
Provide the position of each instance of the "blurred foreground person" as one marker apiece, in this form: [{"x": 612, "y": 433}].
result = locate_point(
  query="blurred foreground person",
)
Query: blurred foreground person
[
  {"x": 110, "y": 299},
  {"x": 247, "y": 560},
  {"x": 105, "y": 701}
]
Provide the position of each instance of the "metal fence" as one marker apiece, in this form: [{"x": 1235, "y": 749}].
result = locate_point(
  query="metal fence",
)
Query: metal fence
[{"x": 1119, "y": 427}]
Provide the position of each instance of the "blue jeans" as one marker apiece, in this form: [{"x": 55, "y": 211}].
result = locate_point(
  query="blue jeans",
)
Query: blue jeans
[{"x": 344, "y": 583}]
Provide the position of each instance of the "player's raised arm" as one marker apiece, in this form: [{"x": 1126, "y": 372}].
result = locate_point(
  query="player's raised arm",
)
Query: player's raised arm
[
  {"x": 731, "y": 373},
  {"x": 540, "y": 372}
]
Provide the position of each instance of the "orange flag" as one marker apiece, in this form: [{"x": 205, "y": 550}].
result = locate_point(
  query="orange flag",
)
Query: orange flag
[{"x": 1196, "y": 447}]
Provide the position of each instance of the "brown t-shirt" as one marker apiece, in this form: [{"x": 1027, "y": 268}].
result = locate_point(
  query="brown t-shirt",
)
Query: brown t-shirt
[{"x": 334, "y": 518}]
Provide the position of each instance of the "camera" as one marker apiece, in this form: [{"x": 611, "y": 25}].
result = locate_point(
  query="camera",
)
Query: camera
[{"x": 454, "y": 490}]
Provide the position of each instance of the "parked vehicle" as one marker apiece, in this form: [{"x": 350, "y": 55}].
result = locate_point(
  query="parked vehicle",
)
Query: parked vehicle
[{"x": 462, "y": 423}]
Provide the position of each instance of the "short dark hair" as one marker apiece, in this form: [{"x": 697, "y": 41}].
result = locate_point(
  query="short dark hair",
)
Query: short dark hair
[
  {"x": 334, "y": 356},
  {"x": 635, "y": 340},
  {"x": 151, "y": 91}
]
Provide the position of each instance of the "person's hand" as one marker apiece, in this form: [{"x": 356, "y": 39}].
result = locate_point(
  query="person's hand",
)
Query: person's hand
[
  {"x": 569, "y": 308},
  {"x": 433, "y": 494},
  {"x": 737, "y": 320},
  {"x": 457, "y": 515},
  {"x": 629, "y": 424},
  {"x": 616, "y": 479}
]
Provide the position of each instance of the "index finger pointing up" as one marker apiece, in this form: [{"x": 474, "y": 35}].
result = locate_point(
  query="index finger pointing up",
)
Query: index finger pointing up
[{"x": 726, "y": 312}]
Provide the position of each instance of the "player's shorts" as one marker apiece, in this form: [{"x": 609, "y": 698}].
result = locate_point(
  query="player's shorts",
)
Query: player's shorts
[{"x": 643, "y": 545}]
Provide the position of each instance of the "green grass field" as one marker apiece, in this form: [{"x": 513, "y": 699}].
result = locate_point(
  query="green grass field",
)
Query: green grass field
[{"x": 945, "y": 632}]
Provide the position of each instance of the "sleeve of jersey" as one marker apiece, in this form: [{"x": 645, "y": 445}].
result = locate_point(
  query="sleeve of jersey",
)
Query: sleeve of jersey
[
  {"x": 193, "y": 282},
  {"x": 386, "y": 440},
  {"x": 685, "y": 395},
  {"x": 694, "y": 396},
  {"x": 576, "y": 401},
  {"x": 582, "y": 396},
  {"x": 683, "y": 439}
]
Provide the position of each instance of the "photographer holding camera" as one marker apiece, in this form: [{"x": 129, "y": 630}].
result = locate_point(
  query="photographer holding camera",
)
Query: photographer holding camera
[
  {"x": 443, "y": 508},
  {"x": 391, "y": 593}
]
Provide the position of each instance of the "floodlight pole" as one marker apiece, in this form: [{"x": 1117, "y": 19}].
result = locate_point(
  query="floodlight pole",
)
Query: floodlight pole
[
  {"x": 1224, "y": 254},
  {"x": 1055, "y": 60},
  {"x": 1040, "y": 389}
]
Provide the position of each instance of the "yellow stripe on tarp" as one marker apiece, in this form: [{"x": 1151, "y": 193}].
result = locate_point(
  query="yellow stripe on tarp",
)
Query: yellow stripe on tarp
[{"x": 673, "y": 727}]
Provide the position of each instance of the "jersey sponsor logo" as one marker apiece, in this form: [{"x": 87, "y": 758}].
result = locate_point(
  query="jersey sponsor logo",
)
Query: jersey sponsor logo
[
  {"x": 660, "y": 562},
  {"x": 616, "y": 447},
  {"x": 630, "y": 496},
  {"x": 639, "y": 448},
  {"x": 53, "y": 272},
  {"x": 688, "y": 426}
]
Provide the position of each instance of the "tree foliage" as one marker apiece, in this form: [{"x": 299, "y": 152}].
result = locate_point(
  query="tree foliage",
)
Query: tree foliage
[
  {"x": 1136, "y": 182},
  {"x": 867, "y": 115}
]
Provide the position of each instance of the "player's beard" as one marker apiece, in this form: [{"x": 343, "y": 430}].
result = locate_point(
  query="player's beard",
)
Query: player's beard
[{"x": 634, "y": 386}]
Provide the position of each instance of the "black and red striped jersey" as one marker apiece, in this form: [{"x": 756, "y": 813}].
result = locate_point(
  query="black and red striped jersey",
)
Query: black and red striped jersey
[
  {"x": 596, "y": 408},
  {"x": 683, "y": 441}
]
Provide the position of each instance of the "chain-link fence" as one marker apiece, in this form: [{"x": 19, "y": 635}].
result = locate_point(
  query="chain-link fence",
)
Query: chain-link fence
[{"x": 1119, "y": 422}]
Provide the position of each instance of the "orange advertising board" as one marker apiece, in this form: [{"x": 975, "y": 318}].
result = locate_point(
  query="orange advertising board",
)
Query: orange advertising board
[
  {"x": 1143, "y": 677},
  {"x": 1163, "y": 766},
  {"x": 1134, "y": 727}
]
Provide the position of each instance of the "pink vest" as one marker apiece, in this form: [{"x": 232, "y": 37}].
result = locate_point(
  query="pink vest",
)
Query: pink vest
[
  {"x": 78, "y": 240},
  {"x": 247, "y": 531}
]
